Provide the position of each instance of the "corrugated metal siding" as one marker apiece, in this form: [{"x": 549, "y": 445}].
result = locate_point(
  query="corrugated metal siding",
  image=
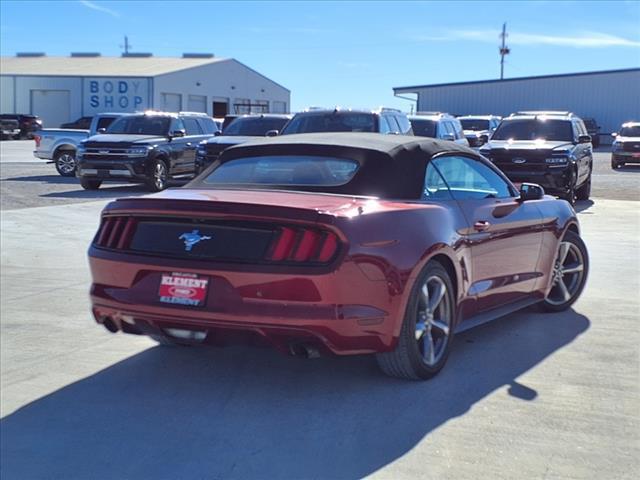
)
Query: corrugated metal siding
[{"x": 610, "y": 98}]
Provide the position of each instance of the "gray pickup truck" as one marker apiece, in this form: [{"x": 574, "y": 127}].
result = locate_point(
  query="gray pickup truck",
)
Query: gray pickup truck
[{"x": 59, "y": 145}]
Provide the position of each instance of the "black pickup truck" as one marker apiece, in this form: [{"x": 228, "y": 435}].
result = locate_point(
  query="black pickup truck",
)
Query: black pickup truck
[
  {"x": 150, "y": 148},
  {"x": 551, "y": 149}
]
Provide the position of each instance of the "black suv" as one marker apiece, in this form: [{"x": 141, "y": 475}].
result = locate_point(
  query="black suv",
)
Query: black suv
[
  {"x": 552, "y": 149},
  {"x": 384, "y": 120},
  {"x": 149, "y": 148},
  {"x": 241, "y": 129}
]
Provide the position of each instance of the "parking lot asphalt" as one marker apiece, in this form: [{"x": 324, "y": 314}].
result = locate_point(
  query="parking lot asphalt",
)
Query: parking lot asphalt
[{"x": 528, "y": 396}]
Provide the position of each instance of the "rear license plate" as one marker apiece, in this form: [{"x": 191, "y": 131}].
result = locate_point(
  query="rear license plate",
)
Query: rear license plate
[{"x": 183, "y": 289}]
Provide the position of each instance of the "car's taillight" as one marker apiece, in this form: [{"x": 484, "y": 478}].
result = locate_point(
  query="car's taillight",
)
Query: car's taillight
[
  {"x": 115, "y": 232},
  {"x": 303, "y": 245},
  {"x": 37, "y": 139}
]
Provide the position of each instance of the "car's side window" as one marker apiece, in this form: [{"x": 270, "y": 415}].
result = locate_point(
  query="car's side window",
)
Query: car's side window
[
  {"x": 435, "y": 188},
  {"x": 393, "y": 123},
  {"x": 384, "y": 125},
  {"x": 177, "y": 124},
  {"x": 192, "y": 126},
  {"x": 471, "y": 179}
]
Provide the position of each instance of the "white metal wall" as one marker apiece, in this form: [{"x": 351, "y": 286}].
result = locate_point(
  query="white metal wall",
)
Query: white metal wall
[
  {"x": 610, "y": 98},
  {"x": 228, "y": 79}
]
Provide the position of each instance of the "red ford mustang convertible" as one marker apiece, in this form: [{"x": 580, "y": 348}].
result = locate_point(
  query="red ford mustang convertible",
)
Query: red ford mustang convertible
[{"x": 348, "y": 243}]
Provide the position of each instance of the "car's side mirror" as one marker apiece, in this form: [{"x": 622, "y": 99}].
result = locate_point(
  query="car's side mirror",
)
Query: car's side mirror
[
  {"x": 177, "y": 133},
  {"x": 614, "y": 134},
  {"x": 449, "y": 136},
  {"x": 584, "y": 138},
  {"x": 531, "y": 191},
  {"x": 484, "y": 139},
  {"x": 217, "y": 133},
  {"x": 102, "y": 130},
  {"x": 272, "y": 133}
]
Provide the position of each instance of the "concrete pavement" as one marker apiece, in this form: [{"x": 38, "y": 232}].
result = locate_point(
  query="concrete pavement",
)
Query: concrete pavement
[{"x": 528, "y": 396}]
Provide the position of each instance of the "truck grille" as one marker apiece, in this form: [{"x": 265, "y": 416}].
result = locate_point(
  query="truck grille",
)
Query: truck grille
[
  {"x": 534, "y": 160},
  {"x": 631, "y": 147}
]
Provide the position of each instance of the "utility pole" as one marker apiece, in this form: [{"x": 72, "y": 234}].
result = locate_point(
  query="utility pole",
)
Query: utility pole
[
  {"x": 504, "y": 50},
  {"x": 126, "y": 45}
]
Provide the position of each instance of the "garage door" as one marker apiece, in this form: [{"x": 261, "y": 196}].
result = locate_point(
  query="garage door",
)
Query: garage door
[
  {"x": 197, "y": 103},
  {"x": 52, "y": 106},
  {"x": 171, "y": 102}
]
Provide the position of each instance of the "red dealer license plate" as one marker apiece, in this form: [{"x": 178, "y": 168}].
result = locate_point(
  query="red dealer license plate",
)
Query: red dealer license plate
[{"x": 183, "y": 289}]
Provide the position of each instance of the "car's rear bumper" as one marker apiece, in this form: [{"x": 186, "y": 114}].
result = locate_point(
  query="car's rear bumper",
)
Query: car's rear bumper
[
  {"x": 325, "y": 311},
  {"x": 625, "y": 157}
]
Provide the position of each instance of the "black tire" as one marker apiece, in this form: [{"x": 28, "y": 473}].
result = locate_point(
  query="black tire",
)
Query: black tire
[
  {"x": 65, "y": 162},
  {"x": 88, "y": 184},
  {"x": 584, "y": 192},
  {"x": 407, "y": 361},
  {"x": 577, "y": 255},
  {"x": 157, "y": 176},
  {"x": 616, "y": 165}
]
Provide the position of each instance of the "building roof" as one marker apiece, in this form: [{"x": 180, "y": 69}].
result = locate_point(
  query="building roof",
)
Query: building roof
[
  {"x": 479, "y": 82},
  {"x": 100, "y": 66}
]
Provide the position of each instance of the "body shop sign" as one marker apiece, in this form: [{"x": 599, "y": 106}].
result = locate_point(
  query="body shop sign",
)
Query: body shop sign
[{"x": 115, "y": 95}]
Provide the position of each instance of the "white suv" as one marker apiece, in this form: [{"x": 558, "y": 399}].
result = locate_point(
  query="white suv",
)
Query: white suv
[{"x": 438, "y": 125}]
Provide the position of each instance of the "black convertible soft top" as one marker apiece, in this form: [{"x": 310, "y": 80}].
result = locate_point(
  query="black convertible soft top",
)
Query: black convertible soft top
[{"x": 391, "y": 166}]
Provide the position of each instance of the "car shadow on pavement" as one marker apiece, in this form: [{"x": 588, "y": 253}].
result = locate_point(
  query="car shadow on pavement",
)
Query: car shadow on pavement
[
  {"x": 54, "y": 179},
  {"x": 582, "y": 205},
  {"x": 171, "y": 413},
  {"x": 105, "y": 192}
]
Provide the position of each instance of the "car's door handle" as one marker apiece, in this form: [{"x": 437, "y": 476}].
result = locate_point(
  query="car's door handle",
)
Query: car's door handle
[{"x": 481, "y": 225}]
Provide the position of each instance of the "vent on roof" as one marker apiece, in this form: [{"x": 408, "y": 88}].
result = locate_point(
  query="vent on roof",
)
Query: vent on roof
[
  {"x": 137, "y": 55},
  {"x": 30, "y": 54},
  {"x": 197, "y": 55},
  {"x": 85, "y": 54}
]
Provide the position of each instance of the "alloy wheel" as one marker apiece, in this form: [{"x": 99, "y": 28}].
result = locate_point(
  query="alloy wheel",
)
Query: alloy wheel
[
  {"x": 160, "y": 175},
  {"x": 66, "y": 163},
  {"x": 568, "y": 271},
  {"x": 433, "y": 323}
]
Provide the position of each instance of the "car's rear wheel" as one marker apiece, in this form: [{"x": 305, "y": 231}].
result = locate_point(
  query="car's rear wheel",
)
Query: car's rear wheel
[
  {"x": 65, "y": 162},
  {"x": 88, "y": 184},
  {"x": 157, "y": 176},
  {"x": 427, "y": 328},
  {"x": 570, "y": 270}
]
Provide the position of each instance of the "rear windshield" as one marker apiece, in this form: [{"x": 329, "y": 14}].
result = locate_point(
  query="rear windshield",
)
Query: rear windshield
[
  {"x": 532, "y": 129},
  {"x": 254, "y": 127},
  {"x": 424, "y": 128},
  {"x": 295, "y": 170},
  {"x": 475, "y": 124},
  {"x": 332, "y": 122},
  {"x": 141, "y": 125},
  {"x": 633, "y": 131}
]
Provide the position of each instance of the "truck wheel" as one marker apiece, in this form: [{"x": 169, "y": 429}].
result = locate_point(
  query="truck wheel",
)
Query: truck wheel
[
  {"x": 157, "y": 176},
  {"x": 90, "y": 184},
  {"x": 584, "y": 192},
  {"x": 65, "y": 162},
  {"x": 616, "y": 165}
]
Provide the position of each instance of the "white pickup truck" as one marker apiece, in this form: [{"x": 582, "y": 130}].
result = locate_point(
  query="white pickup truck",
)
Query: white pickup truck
[{"x": 59, "y": 145}]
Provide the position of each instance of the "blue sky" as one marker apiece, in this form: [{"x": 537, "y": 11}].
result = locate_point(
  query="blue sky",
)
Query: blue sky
[{"x": 342, "y": 53}]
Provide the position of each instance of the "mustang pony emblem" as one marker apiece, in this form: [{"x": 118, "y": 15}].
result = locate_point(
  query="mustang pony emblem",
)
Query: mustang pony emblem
[{"x": 190, "y": 239}]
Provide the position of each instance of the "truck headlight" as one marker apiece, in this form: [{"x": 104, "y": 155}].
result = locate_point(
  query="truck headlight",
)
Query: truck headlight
[{"x": 138, "y": 151}]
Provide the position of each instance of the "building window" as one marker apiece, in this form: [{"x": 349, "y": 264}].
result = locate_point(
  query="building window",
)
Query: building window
[{"x": 242, "y": 106}]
